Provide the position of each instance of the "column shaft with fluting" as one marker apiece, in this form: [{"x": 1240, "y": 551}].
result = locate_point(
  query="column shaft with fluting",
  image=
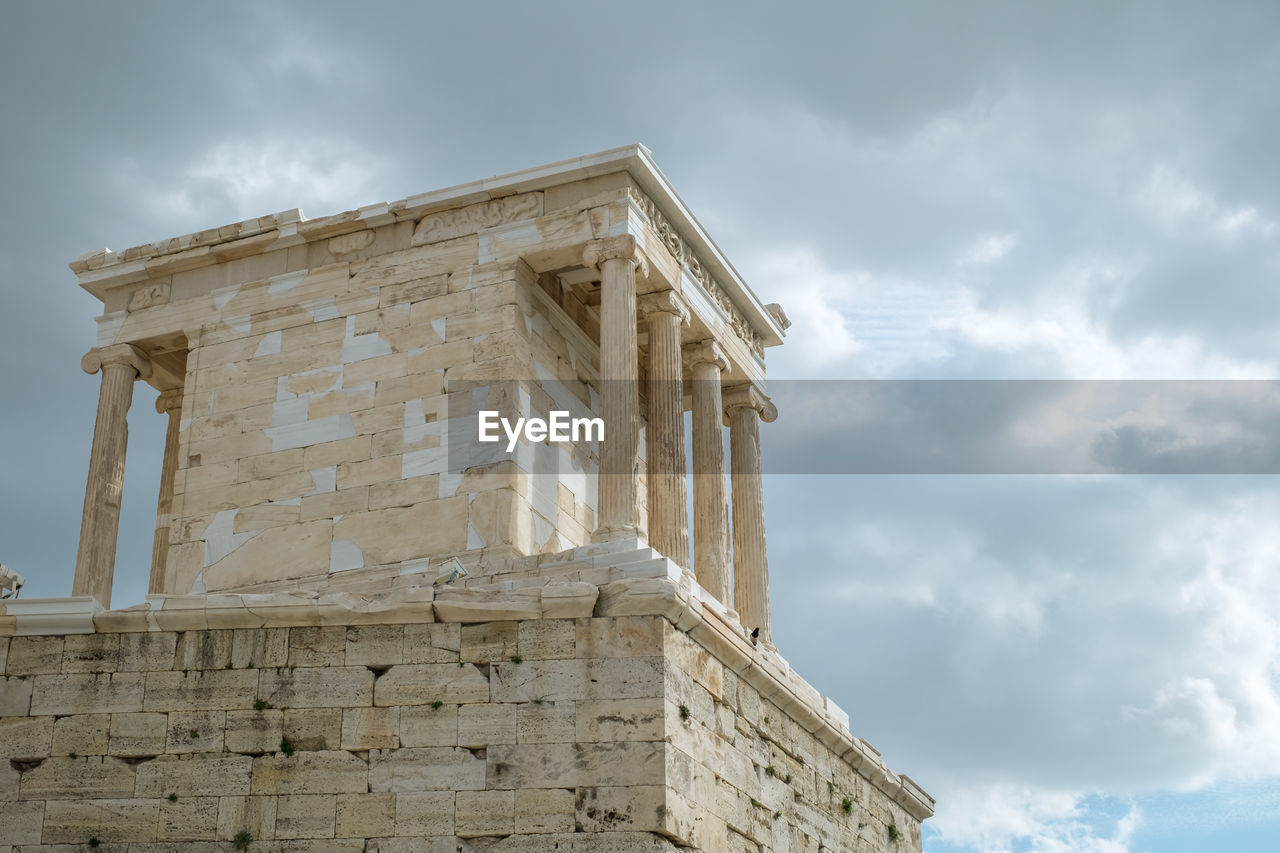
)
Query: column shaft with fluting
[
  {"x": 710, "y": 512},
  {"x": 618, "y": 513},
  {"x": 168, "y": 403},
  {"x": 100, "y": 522},
  {"x": 745, "y": 406},
  {"x": 668, "y": 501}
]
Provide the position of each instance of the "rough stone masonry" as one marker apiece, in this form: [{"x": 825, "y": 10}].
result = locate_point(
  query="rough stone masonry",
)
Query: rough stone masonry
[{"x": 365, "y": 630}]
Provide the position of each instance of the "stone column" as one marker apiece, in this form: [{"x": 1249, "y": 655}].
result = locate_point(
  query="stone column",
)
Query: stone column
[
  {"x": 746, "y": 407},
  {"x": 168, "y": 403},
  {"x": 618, "y": 510},
  {"x": 710, "y": 512},
  {"x": 668, "y": 501},
  {"x": 96, "y": 558}
]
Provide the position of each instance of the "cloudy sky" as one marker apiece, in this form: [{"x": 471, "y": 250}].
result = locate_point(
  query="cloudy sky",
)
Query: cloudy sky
[{"x": 939, "y": 190}]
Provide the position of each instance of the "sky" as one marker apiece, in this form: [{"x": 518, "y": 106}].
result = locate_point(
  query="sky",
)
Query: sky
[{"x": 932, "y": 190}]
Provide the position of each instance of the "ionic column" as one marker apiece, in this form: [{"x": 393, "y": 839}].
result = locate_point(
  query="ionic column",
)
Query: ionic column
[
  {"x": 668, "y": 502},
  {"x": 710, "y": 513},
  {"x": 618, "y": 513},
  {"x": 746, "y": 407},
  {"x": 96, "y": 558},
  {"x": 168, "y": 403}
]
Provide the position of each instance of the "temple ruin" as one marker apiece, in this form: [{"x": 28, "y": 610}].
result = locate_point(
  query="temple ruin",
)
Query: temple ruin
[{"x": 365, "y": 629}]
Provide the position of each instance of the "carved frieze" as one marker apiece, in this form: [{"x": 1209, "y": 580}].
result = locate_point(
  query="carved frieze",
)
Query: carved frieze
[
  {"x": 447, "y": 224},
  {"x": 685, "y": 255},
  {"x": 156, "y": 293}
]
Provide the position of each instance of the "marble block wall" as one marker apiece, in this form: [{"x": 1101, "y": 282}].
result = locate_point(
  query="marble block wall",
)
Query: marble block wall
[{"x": 591, "y": 734}]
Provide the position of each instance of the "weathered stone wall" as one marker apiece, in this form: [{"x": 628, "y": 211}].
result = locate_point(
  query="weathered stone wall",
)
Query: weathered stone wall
[{"x": 602, "y": 734}]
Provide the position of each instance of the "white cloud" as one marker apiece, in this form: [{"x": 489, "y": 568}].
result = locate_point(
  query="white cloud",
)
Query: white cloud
[{"x": 998, "y": 818}]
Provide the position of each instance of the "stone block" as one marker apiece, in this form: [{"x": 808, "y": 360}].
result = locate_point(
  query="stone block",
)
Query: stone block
[
  {"x": 543, "y": 810},
  {"x": 91, "y": 653},
  {"x": 214, "y": 689},
  {"x": 481, "y": 813},
  {"x": 546, "y": 721},
  {"x": 375, "y": 645},
  {"x": 310, "y": 773},
  {"x": 317, "y": 687},
  {"x": 26, "y": 738},
  {"x": 623, "y": 636},
  {"x": 66, "y": 778},
  {"x": 147, "y": 650},
  {"x": 426, "y": 725},
  {"x": 259, "y": 648},
  {"x": 82, "y": 734},
  {"x": 546, "y": 639},
  {"x": 425, "y": 769},
  {"x": 621, "y": 678},
  {"x": 405, "y": 533},
  {"x": 607, "y": 720},
  {"x": 87, "y": 693},
  {"x": 610, "y": 809},
  {"x": 196, "y": 731},
  {"x": 137, "y": 735},
  {"x": 188, "y": 819},
  {"x": 254, "y": 732},
  {"x": 482, "y": 725},
  {"x": 15, "y": 695},
  {"x": 75, "y": 821},
  {"x": 34, "y": 656},
  {"x": 194, "y": 775},
  {"x": 423, "y": 684},
  {"x": 317, "y": 646},
  {"x": 489, "y": 641},
  {"x": 370, "y": 728},
  {"x": 424, "y": 813},
  {"x": 432, "y": 642},
  {"x": 254, "y": 815},
  {"x": 305, "y": 816},
  {"x": 313, "y": 729},
  {"x": 365, "y": 815},
  {"x": 572, "y": 765},
  {"x": 23, "y": 822}
]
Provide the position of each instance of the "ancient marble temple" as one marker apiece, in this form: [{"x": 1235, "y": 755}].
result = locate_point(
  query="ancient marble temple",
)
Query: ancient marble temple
[{"x": 369, "y": 629}]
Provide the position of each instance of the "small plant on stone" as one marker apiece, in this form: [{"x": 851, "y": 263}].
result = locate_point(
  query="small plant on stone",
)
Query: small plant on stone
[
  {"x": 846, "y": 806},
  {"x": 72, "y": 755},
  {"x": 193, "y": 734},
  {"x": 261, "y": 705},
  {"x": 286, "y": 747},
  {"x": 787, "y": 778},
  {"x": 230, "y": 665},
  {"x": 831, "y": 787},
  {"x": 437, "y": 705},
  {"x": 894, "y": 835},
  {"x": 93, "y": 841},
  {"x": 517, "y": 659},
  {"x": 769, "y": 771},
  {"x": 766, "y": 720},
  {"x": 242, "y": 839},
  {"x": 173, "y": 798},
  {"x": 684, "y": 712}
]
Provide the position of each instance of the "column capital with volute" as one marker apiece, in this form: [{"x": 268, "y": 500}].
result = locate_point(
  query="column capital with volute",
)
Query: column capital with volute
[
  {"x": 622, "y": 247},
  {"x": 96, "y": 358},
  {"x": 706, "y": 352},
  {"x": 749, "y": 396},
  {"x": 663, "y": 302}
]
